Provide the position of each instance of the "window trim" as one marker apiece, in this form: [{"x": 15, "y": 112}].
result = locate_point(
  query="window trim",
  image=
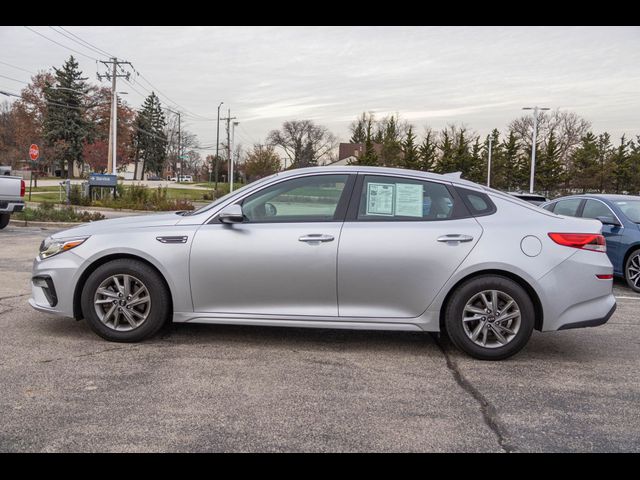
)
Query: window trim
[
  {"x": 459, "y": 208},
  {"x": 338, "y": 216},
  {"x": 470, "y": 207},
  {"x": 578, "y": 208},
  {"x": 586, "y": 199}
]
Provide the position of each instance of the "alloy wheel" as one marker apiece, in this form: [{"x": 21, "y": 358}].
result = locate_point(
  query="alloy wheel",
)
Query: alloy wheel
[
  {"x": 491, "y": 319},
  {"x": 122, "y": 302},
  {"x": 633, "y": 270}
]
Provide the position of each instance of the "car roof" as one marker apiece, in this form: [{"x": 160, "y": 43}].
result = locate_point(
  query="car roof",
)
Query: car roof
[
  {"x": 612, "y": 197},
  {"x": 451, "y": 178}
]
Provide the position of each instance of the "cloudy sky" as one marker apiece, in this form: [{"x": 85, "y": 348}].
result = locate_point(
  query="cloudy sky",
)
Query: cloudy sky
[{"x": 479, "y": 76}]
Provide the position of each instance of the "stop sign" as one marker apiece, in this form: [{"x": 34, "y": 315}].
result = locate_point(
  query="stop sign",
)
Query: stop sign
[{"x": 34, "y": 152}]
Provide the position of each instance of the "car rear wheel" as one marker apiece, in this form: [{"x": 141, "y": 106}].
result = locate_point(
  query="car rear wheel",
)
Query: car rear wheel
[
  {"x": 490, "y": 317},
  {"x": 632, "y": 271},
  {"x": 4, "y": 220},
  {"x": 125, "y": 301}
]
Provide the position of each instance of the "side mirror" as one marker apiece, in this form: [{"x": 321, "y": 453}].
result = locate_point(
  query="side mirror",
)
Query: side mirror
[
  {"x": 231, "y": 214},
  {"x": 609, "y": 221}
]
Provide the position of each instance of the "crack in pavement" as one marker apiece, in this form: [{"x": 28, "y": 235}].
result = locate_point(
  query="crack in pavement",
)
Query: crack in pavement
[
  {"x": 134, "y": 347},
  {"x": 14, "y": 296},
  {"x": 488, "y": 411}
]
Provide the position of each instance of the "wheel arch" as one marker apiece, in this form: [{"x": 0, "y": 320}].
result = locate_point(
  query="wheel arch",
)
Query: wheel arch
[
  {"x": 632, "y": 248},
  {"x": 77, "y": 292},
  {"x": 537, "y": 304}
]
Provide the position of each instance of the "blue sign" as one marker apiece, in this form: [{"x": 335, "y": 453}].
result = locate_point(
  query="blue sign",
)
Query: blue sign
[{"x": 98, "y": 180}]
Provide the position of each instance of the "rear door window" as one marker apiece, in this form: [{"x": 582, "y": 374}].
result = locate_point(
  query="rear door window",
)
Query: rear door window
[{"x": 568, "y": 207}]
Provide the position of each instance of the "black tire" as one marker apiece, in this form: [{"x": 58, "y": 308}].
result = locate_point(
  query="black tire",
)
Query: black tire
[
  {"x": 627, "y": 274},
  {"x": 464, "y": 293},
  {"x": 4, "y": 220},
  {"x": 159, "y": 310}
]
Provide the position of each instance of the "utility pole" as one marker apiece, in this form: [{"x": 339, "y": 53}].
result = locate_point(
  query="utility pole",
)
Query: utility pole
[
  {"x": 217, "y": 145},
  {"x": 113, "y": 122},
  {"x": 233, "y": 143},
  {"x": 228, "y": 120},
  {"x": 489, "y": 162},
  {"x": 533, "y": 146}
]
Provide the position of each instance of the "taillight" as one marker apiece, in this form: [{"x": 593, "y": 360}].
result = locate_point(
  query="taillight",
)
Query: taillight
[
  {"x": 22, "y": 188},
  {"x": 584, "y": 241}
]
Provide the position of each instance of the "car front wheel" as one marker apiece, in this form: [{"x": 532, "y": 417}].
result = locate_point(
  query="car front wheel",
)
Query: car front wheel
[
  {"x": 125, "y": 301},
  {"x": 490, "y": 317},
  {"x": 632, "y": 271}
]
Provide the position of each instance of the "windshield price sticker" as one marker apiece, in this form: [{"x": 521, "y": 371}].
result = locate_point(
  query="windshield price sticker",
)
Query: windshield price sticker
[{"x": 380, "y": 198}]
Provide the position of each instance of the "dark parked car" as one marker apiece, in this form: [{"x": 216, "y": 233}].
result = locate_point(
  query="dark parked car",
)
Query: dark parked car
[
  {"x": 530, "y": 197},
  {"x": 620, "y": 217}
]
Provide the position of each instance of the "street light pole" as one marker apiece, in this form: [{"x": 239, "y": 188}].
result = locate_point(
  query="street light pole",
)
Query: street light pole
[
  {"x": 533, "y": 146},
  {"x": 217, "y": 145},
  {"x": 233, "y": 137},
  {"x": 489, "y": 162}
]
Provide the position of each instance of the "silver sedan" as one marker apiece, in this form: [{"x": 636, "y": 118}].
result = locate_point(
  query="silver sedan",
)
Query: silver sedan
[{"x": 337, "y": 247}]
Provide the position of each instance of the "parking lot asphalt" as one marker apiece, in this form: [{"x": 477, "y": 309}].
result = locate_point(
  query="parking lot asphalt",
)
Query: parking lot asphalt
[{"x": 237, "y": 388}]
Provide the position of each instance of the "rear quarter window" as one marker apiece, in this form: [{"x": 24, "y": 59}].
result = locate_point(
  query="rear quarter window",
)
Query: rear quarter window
[{"x": 478, "y": 203}]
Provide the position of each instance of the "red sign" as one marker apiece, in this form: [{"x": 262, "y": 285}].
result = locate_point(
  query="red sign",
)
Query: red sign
[{"x": 34, "y": 152}]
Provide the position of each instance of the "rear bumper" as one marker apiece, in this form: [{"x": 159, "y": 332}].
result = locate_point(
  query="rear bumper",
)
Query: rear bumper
[
  {"x": 10, "y": 207},
  {"x": 590, "y": 323},
  {"x": 573, "y": 296}
]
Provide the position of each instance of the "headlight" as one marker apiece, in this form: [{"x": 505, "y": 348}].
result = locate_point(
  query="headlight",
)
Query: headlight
[{"x": 53, "y": 246}]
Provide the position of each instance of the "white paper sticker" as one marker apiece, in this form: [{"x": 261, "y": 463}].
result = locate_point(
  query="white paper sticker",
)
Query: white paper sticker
[
  {"x": 380, "y": 198},
  {"x": 409, "y": 200}
]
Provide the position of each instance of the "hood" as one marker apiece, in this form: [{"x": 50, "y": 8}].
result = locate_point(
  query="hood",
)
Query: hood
[{"x": 123, "y": 223}]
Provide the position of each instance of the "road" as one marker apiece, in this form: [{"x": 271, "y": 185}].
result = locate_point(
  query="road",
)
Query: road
[{"x": 233, "y": 388}]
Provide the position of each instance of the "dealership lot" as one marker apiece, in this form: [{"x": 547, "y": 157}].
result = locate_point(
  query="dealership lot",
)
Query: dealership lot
[{"x": 232, "y": 388}]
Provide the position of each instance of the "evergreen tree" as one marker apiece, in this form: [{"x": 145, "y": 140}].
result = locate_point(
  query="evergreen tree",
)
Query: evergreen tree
[
  {"x": 622, "y": 169},
  {"x": 358, "y": 129},
  {"x": 65, "y": 127},
  {"x": 549, "y": 168},
  {"x": 150, "y": 138},
  {"x": 391, "y": 151},
  {"x": 369, "y": 157},
  {"x": 446, "y": 162},
  {"x": 585, "y": 167},
  {"x": 511, "y": 169},
  {"x": 604, "y": 162},
  {"x": 411, "y": 154},
  {"x": 497, "y": 159},
  {"x": 427, "y": 152},
  {"x": 476, "y": 168}
]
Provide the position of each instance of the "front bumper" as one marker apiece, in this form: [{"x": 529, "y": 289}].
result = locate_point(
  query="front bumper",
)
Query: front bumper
[{"x": 61, "y": 274}]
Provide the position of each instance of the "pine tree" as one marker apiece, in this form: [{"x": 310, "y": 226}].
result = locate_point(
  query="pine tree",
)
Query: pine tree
[
  {"x": 369, "y": 157},
  {"x": 427, "y": 153},
  {"x": 497, "y": 159},
  {"x": 391, "y": 151},
  {"x": 65, "y": 126},
  {"x": 622, "y": 170},
  {"x": 549, "y": 168},
  {"x": 411, "y": 155},
  {"x": 477, "y": 165},
  {"x": 585, "y": 167},
  {"x": 150, "y": 138},
  {"x": 605, "y": 153},
  {"x": 446, "y": 162},
  {"x": 358, "y": 129}
]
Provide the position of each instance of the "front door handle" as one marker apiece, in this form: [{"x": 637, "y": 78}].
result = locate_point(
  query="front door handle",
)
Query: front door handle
[
  {"x": 316, "y": 237},
  {"x": 455, "y": 238}
]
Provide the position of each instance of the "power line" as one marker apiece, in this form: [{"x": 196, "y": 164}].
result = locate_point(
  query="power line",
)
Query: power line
[
  {"x": 18, "y": 68},
  {"x": 76, "y": 41},
  {"x": 14, "y": 79},
  {"x": 104, "y": 52},
  {"x": 60, "y": 44}
]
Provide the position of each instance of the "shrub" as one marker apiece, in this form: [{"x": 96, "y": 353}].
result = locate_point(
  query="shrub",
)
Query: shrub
[{"x": 47, "y": 213}]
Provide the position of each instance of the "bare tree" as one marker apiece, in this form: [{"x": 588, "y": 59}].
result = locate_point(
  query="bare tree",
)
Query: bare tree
[{"x": 304, "y": 143}]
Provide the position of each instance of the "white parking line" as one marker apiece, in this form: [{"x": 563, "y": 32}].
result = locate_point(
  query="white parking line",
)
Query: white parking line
[{"x": 627, "y": 298}]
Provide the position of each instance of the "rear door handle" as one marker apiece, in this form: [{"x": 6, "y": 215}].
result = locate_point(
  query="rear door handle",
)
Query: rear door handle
[
  {"x": 316, "y": 237},
  {"x": 455, "y": 238}
]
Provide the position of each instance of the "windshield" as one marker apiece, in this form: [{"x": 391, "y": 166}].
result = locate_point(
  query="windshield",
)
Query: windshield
[
  {"x": 631, "y": 209},
  {"x": 229, "y": 195}
]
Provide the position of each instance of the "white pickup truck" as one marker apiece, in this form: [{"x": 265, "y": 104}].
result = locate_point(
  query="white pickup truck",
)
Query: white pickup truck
[{"x": 11, "y": 197}]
